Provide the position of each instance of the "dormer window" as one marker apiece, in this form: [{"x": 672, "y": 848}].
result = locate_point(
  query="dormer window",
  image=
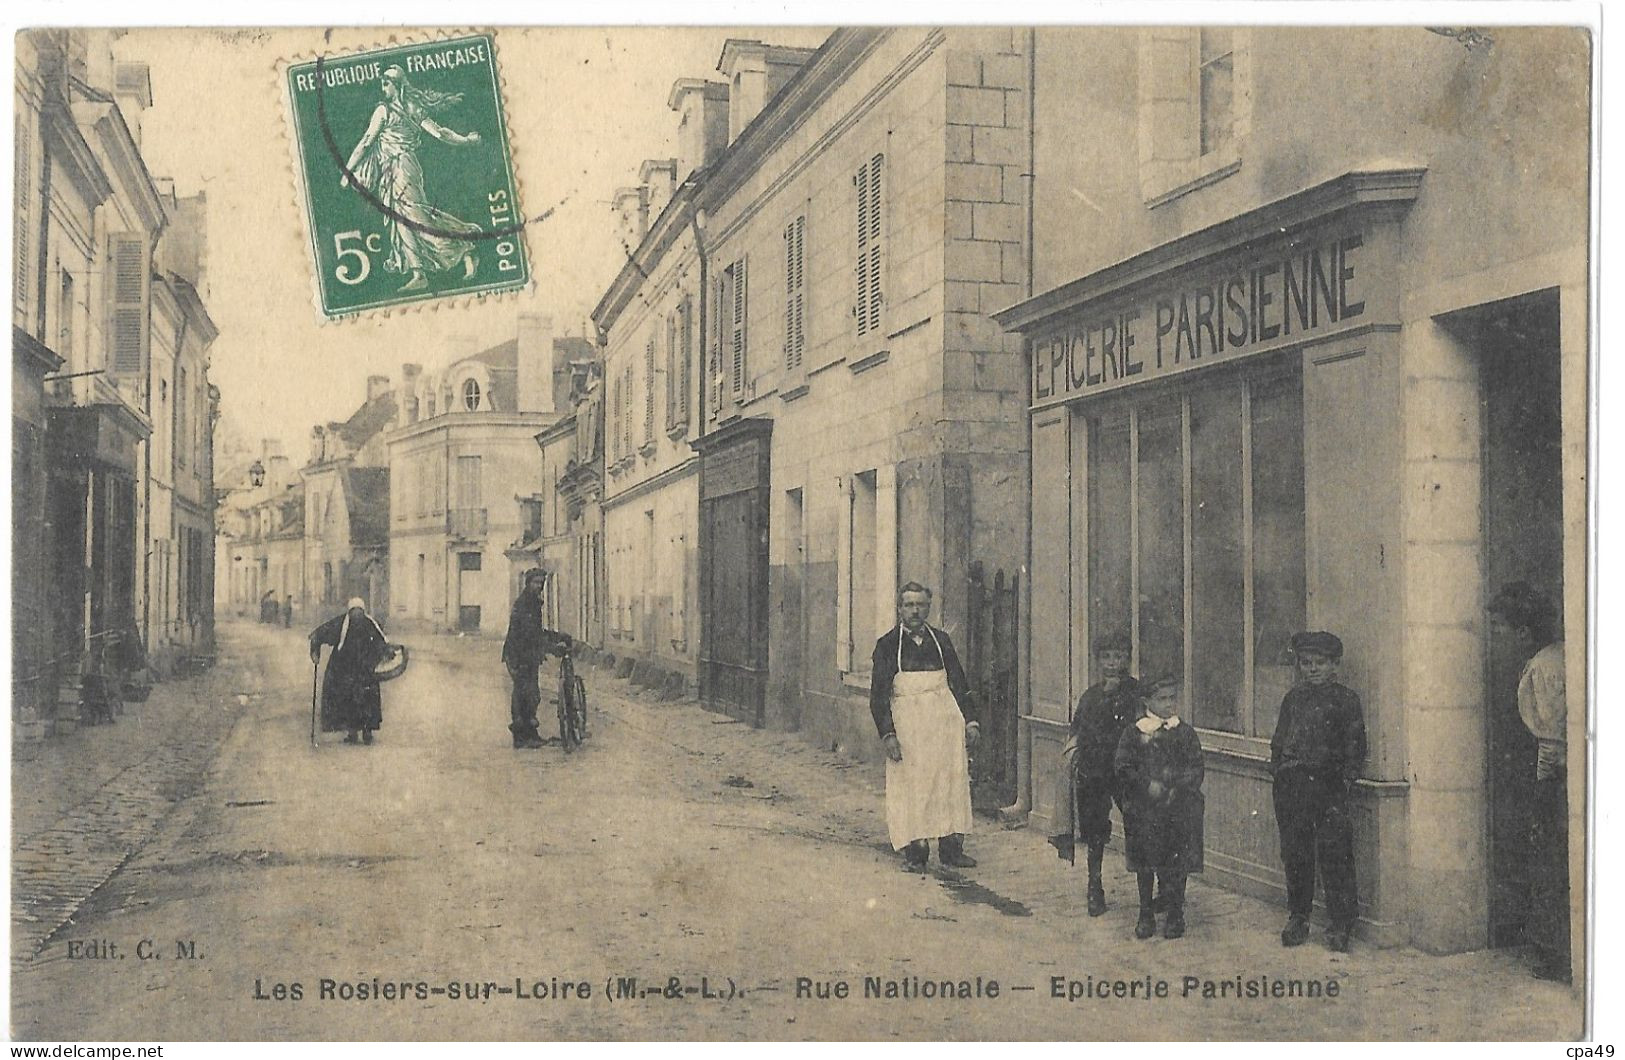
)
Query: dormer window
[{"x": 471, "y": 394}]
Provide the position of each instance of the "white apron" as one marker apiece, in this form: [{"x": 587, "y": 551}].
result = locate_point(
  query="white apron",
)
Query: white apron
[{"x": 928, "y": 792}]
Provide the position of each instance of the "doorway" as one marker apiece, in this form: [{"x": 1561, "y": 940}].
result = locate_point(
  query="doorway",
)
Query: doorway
[
  {"x": 468, "y": 615},
  {"x": 734, "y": 476},
  {"x": 1518, "y": 345}
]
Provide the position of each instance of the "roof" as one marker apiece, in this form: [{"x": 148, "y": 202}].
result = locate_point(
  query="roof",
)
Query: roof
[
  {"x": 366, "y": 494},
  {"x": 368, "y": 421},
  {"x": 503, "y": 362}
]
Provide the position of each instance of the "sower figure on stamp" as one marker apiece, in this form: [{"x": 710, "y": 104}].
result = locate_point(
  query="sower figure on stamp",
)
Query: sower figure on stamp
[
  {"x": 1088, "y": 783},
  {"x": 1522, "y": 619},
  {"x": 920, "y": 700},
  {"x": 527, "y": 646},
  {"x": 350, "y": 698},
  {"x": 385, "y": 161}
]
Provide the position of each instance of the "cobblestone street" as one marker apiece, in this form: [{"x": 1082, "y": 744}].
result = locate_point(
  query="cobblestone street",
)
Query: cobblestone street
[{"x": 238, "y": 862}]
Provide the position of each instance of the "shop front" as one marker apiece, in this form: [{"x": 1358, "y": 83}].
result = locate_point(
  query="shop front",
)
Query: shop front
[{"x": 1215, "y": 466}]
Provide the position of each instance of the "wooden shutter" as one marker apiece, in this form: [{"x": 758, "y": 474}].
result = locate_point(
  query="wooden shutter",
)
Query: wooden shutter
[
  {"x": 131, "y": 273},
  {"x": 795, "y": 339},
  {"x": 21, "y": 212},
  {"x": 713, "y": 379},
  {"x": 626, "y": 418},
  {"x": 870, "y": 293},
  {"x": 685, "y": 370},
  {"x": 737, "y": 331},
  {"x": 649, "y": 390},
  {"x": 615, "y": 425},
  {"x": 671, "y": 368}
]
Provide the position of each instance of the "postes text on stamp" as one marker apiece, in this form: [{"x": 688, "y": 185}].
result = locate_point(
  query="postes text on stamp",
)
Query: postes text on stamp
[{"x": 408, "y": 182}]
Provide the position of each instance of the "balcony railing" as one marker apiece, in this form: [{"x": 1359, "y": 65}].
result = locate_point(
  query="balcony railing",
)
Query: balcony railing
[{"x": 466, "y": 523}]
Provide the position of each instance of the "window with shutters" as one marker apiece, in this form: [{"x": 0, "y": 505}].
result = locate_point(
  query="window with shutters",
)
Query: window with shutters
[
  {"x": 671, "y": 369},
  {"x": 736, "y": 306},
  {"x": 649, "y": 391},
  {"x": 131, "y": 273},
  {"x": 626, "y": 414},
  {"x": 685, "y": 355},
  {"x": 182, "y": 424},
  {"x": 1195, "y": 107},
  {"x": 615, "y": 424},
  {"x": 795, "y": 301},
  {"x": 869, "y": 272},
  {"x": 21, "y": 213}
]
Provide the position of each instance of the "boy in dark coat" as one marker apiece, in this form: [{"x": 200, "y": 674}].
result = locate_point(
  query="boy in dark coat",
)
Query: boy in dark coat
[
  {"x": 1104, "y": 710},
  {"x": 1159, "y": 764},
  {"x": 1315, "y": 758}
]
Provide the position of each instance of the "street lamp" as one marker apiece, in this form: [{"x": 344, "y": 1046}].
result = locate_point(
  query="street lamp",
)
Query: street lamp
[{"x": 256, "y": 474}]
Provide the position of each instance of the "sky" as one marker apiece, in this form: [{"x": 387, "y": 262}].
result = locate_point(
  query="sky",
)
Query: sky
[{"x": 585, "y": 106}]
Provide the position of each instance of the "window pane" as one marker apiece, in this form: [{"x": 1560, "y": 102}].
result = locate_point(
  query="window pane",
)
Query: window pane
[
  {"x": 1217, "y": 576},
  {"x": 1278, "y": 540},
  {"x": 1109, "y": 538},
  {"x": 1161, "y": 509},
  {"x": 1216, "y": 63}
]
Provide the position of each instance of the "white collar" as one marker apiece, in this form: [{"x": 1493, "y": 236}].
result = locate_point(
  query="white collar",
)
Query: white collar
[{"x": 1151, "y": 723}]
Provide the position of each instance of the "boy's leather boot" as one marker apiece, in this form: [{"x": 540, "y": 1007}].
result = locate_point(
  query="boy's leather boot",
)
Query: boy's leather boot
[
  {"x": 1296, "y": 931},
  {"x": 1097, "y": 891}
]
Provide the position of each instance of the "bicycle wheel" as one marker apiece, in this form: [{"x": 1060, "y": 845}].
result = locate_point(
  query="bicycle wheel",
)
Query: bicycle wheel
[
  {"x": 568, "y": 734},
  {"x": 580, "y": 704}
]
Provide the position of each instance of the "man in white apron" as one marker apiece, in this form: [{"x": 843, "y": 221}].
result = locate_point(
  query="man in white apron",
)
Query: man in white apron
[{"x": 920, "y": 700}]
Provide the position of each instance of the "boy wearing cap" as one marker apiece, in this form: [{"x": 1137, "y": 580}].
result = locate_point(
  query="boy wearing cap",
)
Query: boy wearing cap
[
  {"x": 1159, "y": 765},
  {"x": 1315, "y": 757},
  {"x": 1090, "y": 784}
]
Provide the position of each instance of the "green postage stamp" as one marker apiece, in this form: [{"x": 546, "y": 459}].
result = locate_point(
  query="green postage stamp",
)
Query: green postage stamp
[{"x": 406, "y": 175}]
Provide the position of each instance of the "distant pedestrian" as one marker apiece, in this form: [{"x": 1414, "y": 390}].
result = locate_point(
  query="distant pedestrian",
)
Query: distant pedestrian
[
  {"x": 1159, "y": 764},
  {"x": 528, "y": 644},
  {"x": 351, "y": 701},
  {"x": 268, "y": 606},
  {"x": 287, "y": 612},
  {"x": 920, "y": 701},
  {"x": 1522, "y": 619},
  {"x": 1315, "y": 757},
  {"x": 1089, "y": 784}
]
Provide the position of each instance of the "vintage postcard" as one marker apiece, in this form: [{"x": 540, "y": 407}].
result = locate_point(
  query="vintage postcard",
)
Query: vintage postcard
[{"x": 922, "y": 532}]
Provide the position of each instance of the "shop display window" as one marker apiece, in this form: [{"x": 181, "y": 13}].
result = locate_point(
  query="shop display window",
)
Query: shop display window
[{"x": 1196, "y": 537}]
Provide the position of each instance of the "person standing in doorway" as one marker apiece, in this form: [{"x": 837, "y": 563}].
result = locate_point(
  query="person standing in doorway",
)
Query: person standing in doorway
[
  {"x": 528, "y": 644},
  {"x": 351, "y": 701},
  {"x": 1523, "y": 620},
  {"x": 920, "y": 700},
  {"x": 287, "y": 612}
]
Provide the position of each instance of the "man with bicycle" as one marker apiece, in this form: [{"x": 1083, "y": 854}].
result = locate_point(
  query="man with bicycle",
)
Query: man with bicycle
[{"x": 527, "y": 646}]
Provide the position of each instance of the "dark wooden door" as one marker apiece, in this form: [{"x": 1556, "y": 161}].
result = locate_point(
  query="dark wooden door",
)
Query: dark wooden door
[{"x": 733, "y": 570}]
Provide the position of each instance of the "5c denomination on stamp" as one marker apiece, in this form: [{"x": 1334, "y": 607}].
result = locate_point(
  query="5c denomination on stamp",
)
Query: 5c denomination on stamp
[{"x": 406, "y": 175}]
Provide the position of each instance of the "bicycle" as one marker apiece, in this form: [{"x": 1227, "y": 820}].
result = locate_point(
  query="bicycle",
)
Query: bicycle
[{"x": 572, "y": 704}]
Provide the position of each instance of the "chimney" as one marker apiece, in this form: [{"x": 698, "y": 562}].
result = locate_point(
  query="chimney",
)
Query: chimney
[
  {"x": 535, "y": 362},
  {"x": 132, "y": 88},
  {"x": 406, "y": 409},
  {"x": 318, "y": 446},
  {"x": 659, "y": 175},
  {"x": 377, "y": 386},
  {"x": 755, "y": 72},
  {"x": 631, "y": 216},
  {"x": 702, "y": 123}
]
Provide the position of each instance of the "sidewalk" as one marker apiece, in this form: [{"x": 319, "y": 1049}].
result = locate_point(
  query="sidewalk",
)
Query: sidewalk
[{"x": 83, "y": 804}]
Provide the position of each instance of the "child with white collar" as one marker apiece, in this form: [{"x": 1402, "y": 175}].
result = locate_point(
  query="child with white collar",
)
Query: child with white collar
[{"x": 1159, "y": 761}]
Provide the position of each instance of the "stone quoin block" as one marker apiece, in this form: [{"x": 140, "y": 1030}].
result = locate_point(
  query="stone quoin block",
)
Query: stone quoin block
[
  {"x": 972, "y": 260},
  {"x": 999, "y": 146},
  {"x": 998, "y": 221},
  {"x": 1442, "y": 500},
  {"x": 1444, "y": 666},
  {"x": 1004, "y": 71},
  {"x": 973, "y": 183},
  {"x": 975, "y": 106},
  {"x": 964, "y": 69}
]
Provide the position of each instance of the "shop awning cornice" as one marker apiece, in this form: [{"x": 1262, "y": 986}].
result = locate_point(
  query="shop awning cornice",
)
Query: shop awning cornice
[{"x": 1379, "y": 187}]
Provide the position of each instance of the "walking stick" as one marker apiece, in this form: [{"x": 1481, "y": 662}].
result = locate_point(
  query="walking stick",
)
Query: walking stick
[{"x": 315, "y": 666}]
